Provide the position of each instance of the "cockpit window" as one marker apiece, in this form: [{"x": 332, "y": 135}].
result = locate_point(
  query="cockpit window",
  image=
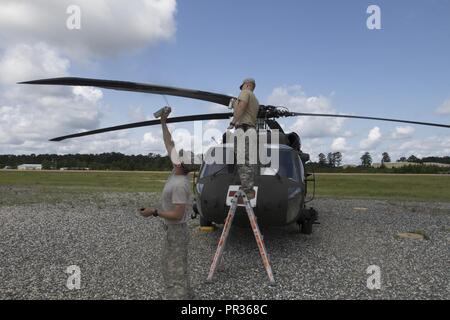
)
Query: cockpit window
[
  {"x": 211, "y": 167},
  {"x": 287, "y": 166}
]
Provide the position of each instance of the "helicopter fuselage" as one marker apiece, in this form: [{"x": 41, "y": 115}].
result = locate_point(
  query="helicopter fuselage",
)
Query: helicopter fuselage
[{"x": 280, "y": 192}]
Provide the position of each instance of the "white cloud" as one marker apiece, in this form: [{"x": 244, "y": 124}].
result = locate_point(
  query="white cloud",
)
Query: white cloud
[
  {"x": 314, "y": 146},
  {"x": 110, "y": 142},
  {"x": 216, "y": 108},
  {"x": 152, "y": 142},
  {"x": 35, "y": 43},
  {"x": 372, "y": 140},
  {"x": 31, "y": 115},
  {"x": 433, "y": 145},
  {"x": 108, "y": 27},
  {"x": 402, "y": 132},
  {"x": 92, "y": 95},
  {"x": 294, "y": 98},
  {"x": 22, "y": 62},
  {"x": 137, "y": 114},
  {"x": 339, "y": 145},
  {"x": 444, "y": 108},
  {"x": 151, "y": 139}
]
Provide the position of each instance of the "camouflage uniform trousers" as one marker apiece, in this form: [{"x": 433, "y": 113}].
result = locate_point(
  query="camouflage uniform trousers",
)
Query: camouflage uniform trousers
[
  {"x": 246, "y": 170},
  {"x": 175, "y": 262}
]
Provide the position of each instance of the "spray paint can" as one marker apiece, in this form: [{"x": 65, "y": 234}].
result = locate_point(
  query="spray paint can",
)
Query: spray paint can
[{"x": 161, "y": 111}]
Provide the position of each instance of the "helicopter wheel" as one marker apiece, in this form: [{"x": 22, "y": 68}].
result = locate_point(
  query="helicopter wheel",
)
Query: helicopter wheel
[
  {"x": 206, "y": 225},
  {"x": 306, "y": 226},
  {"x": 307, "y": 219}
]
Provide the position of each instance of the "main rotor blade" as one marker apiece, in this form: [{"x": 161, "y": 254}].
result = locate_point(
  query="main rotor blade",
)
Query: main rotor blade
[
  {"x": 368, "y": 118},
  {"x": 136, "y": 87},
  {"x": 214, "y": 116}
]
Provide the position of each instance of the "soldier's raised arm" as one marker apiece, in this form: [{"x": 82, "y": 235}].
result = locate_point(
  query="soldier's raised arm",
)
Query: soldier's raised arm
[{"x": 167, "y": 137}]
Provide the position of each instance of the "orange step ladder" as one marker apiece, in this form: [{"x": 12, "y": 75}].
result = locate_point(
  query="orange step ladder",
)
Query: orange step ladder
[{"x": 226, "y": 230}]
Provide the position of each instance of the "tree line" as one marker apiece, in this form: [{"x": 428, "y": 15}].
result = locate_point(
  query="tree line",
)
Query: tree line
[
  {"x": 155, "y": 162},
  {"x": 332, "y": 162},
  {"x": 103, "y": 161},
  {"x": 334, "y": 159}
]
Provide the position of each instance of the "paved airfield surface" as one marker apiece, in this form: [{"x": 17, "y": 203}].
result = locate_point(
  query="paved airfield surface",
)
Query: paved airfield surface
[{"x": 117, "y": 252}]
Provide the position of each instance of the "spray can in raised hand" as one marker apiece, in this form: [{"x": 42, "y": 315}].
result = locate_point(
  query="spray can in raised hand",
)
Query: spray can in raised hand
[{"x": 161, "y": 111}]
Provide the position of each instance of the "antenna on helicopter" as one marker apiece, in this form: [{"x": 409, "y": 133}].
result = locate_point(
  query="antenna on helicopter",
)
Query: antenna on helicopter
[{"x": 167, "y": 101}]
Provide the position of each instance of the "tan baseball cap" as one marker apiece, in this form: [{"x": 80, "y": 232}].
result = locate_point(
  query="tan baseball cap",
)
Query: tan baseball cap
[{"x": 248, "y": 80}]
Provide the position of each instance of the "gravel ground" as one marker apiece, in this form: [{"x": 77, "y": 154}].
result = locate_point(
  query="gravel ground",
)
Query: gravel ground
[{"x": 118, "y": 252}]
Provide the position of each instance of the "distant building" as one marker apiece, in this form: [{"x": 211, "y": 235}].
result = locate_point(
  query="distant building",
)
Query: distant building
[{"x": 29, "y": 167}]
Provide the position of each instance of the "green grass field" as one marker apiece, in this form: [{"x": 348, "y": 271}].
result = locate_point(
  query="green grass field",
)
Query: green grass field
[
  {"x": 404, "y": 187},
  {"x": 389, "y": 186},
  {"x": 86, "y": 180}
]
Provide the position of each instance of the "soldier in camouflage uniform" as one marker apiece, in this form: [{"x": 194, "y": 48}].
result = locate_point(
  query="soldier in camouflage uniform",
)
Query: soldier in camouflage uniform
[
  {"x": 246, "y": 109},
  {"x": 175, "y": 200},
  {"x": 175, "y": 262}
]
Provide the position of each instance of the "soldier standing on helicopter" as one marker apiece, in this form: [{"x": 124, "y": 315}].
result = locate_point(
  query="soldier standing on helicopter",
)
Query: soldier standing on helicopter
[{"x": 246, "y": 109}]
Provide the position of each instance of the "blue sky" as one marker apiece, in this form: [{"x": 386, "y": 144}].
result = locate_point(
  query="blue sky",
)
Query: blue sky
[{"x": 324, "y": 47}]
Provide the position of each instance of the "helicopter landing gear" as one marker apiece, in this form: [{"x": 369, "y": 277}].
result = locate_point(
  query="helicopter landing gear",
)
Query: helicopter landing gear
[
  {"x": 204, "y": 222},
  {"x": 206, "y": 225},
  {"x": 308, "y": 217},
  {"x": 306, "y": 227}
]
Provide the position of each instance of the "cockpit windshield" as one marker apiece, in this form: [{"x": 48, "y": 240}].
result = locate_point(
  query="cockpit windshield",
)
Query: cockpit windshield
[
  {"x": 287, "y": 165},
  {"x": 216, "y": 162}
]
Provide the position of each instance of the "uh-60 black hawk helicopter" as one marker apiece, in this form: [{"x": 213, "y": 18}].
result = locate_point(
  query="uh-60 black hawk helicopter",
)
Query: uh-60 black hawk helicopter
[{"x": 281, "y": 197}]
